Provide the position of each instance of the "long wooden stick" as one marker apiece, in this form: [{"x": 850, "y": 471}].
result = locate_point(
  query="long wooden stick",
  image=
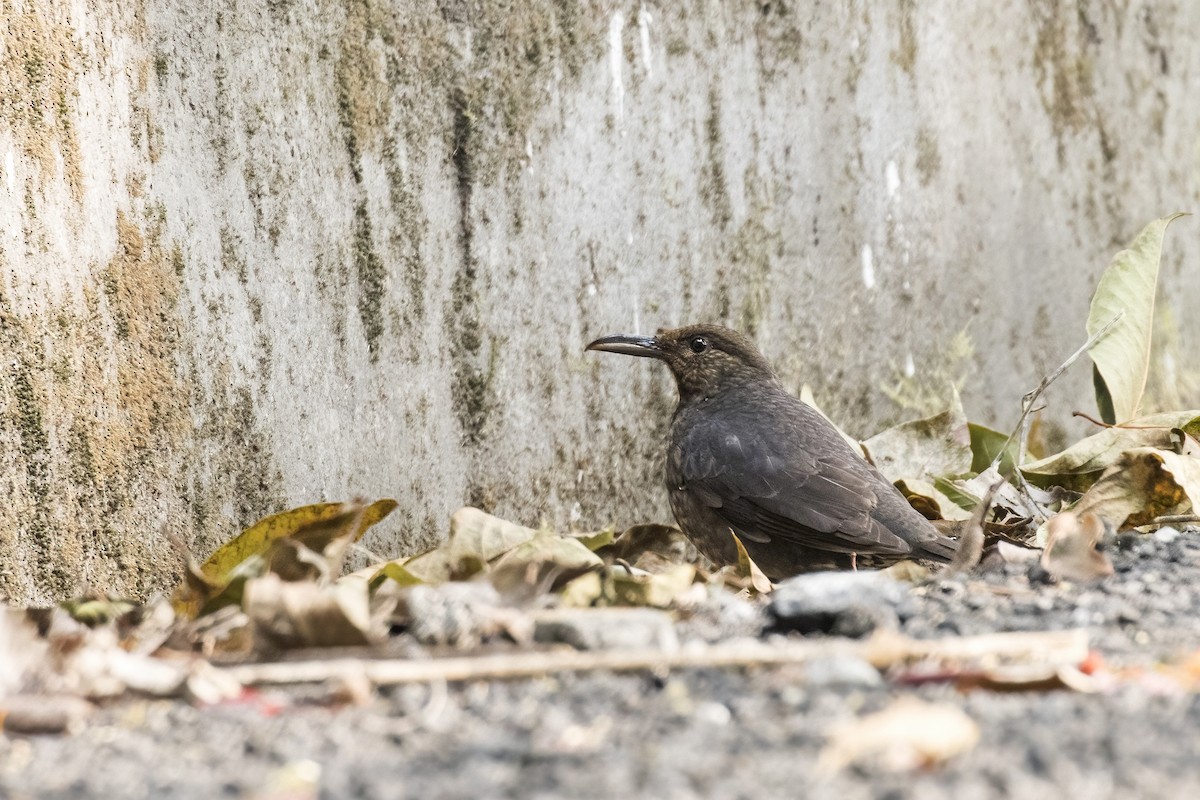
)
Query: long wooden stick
[{"x": 882, "y": 650}]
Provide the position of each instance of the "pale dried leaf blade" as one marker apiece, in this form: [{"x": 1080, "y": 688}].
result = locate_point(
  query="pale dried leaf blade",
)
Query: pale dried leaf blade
[
  {"x": 924, "y": 449},
  {"x": 657, "y": 590},
  {"x": 909, "y": 734},
  {"x": 756, "y": 581},
  {"x": 299, "y": 614},
  {"x": 1127, "y": 287},
  {"x": 543, "y": 562},
  {"x": 1006, "y": 496},
  {"x": 1081, "y": 464},
  {"x": 477, "y": 533},
  {"x": 584, "y": 591},
  {"x": 476, "y": 538}
]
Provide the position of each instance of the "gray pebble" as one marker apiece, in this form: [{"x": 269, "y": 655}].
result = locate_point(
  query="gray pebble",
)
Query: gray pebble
[
  {"x": 607, "y": 628},
  {"x": 842, "y": 603},
  {"x": 1166, "y": 535},
  {"x": 842, "y": 671}
]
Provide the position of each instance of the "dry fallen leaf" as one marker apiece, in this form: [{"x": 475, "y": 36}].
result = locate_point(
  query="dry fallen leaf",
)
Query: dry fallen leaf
[
  {"x": 1144, "y": 484},
  {"x": 304, "y": 543},
  {"x": 1071, "y": 553},
  {"x": 542, "y": 563},
  {"x": 917, "y": 452},
  {"x": 1081, "y": 464},
  {"x": 300, "y": 614},
  {"x": 657, "y": 590},
  {"x": 651, "y": 547},
  {"x": 476, "y": 538},
  {"x": 1126, "y": 288},
  {"x": 908, "y": 734},
  {"x": 584, "y": 591}
]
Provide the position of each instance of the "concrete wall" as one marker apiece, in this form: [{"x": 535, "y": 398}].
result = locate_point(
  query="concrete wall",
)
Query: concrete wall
[{"x": 259, "y": 254}]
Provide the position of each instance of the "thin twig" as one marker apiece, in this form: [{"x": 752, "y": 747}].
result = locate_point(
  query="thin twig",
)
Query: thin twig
[
  {"x": 1098, "y": 423},
  {"x": 1029, "y": 399},
  {"x": 1176, "y": 519},
  {"x": 1123, "y": 426},
  {"x": 1021, "y": 432},
  {"x": 882, "y": 650}
]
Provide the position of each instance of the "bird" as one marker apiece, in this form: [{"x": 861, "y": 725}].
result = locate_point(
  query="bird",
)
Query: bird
[{"x": 746, "y": 457}]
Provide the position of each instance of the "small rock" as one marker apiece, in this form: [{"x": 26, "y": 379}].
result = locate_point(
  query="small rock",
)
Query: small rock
[
  {"x": 461, "y": 614},
  {"x": 1039, "y": 575},
  {"x": 1127, "y": 615},
  {"x": 713, "y": 713},
  {"x": 842, "y": 603},
  {"x": 842, "y": 671},
  {"x": 1166, "y": 535},
  {"x": 976, "y": 601},
  {"x": 722, "y": 615},
  {"x": 606, "y": 628},
  {"x": 1128, "y": 540}
]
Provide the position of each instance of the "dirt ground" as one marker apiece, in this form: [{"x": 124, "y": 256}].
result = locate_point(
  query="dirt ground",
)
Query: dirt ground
[{"x": 720, "y": 733}]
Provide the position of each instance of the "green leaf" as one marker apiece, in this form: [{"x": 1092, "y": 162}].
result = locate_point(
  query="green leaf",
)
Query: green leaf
[
  {"x": 1122, "y": 357},
  {"x": 1078, "y": 467},
  {"x": 986, "y": 444},
  {"x": 956, "y": 494},
  {"x": 300, "y": 614}
]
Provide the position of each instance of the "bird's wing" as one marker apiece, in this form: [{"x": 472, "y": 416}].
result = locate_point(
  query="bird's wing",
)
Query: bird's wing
[{"x": 777, "y": 489}]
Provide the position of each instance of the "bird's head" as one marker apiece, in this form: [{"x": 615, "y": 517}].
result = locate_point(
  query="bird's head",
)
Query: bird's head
[{"x": 705, "y": 359}]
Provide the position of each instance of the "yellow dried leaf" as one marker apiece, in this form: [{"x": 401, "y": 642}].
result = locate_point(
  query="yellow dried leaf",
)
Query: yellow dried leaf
[
  {"x": 308, "y": 528},
  {"x": 748, "y": 571}
]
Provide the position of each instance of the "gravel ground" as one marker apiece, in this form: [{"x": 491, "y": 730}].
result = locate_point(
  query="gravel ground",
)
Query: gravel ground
[{"x": 690, "y": 733}]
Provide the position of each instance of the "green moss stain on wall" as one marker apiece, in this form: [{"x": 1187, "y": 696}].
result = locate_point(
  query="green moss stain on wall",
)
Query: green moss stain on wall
[
  {"x": 38, "y": 74},
  {"x": 482, "y": 74},
  {"x": 97, "y": 413}
]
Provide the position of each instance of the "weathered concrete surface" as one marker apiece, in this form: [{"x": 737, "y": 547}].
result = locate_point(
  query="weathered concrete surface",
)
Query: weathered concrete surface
[{"x": 255, "y": 255}]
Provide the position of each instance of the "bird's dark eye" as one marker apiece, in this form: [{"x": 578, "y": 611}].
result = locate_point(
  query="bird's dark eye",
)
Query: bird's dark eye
[{"x": 698, "y": 344}]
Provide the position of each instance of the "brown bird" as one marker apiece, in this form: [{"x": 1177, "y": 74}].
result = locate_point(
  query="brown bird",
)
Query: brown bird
[{"x": 746, "y": 457}]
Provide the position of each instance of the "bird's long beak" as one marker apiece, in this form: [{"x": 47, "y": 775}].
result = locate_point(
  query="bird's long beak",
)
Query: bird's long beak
[{"x": 644, "y": 346}]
